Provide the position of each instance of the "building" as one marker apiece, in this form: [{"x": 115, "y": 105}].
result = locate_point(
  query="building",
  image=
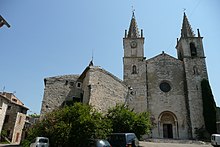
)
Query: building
[
  {"x": 12, "y": 116},
  {"x": 95, "y": 86},
  {"x": 168, "y": 87}
]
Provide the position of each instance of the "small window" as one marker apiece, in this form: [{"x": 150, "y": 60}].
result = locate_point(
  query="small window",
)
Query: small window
[
  {"x": 8, "y": 133},
  {"x": 6, "y": 118},
  {"x": 134, "y": 69},
  {"x": 17, "y": 137},
  {"x": 1, "y": 102},
  {"x": 180, "y": 56},
  {"x": 66, "y": 82},
  {"x": 9, "y": 107},
  {"x": 20, "y": 117},
  {"x": 71, "y": 83},
  {"x": 78, "y": 85},
  {"x": 193, "y": 49}
]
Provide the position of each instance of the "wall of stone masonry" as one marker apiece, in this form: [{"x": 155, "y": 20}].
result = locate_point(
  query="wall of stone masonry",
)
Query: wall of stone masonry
[
  {"x": 3, "y": 109},
  {"x": 166, "y": 68},
  {"x": 194, "y": 79},
  {"x": 104, "y": 89},
  {"x": 86, "y": 87},
  {"x": 95, "y": 86},
  {"x": 57, "y": 90},
  {"x": 137, "y": 83},
  {"x": 18, "y": 128},
  {"x": 12, "y": 111}
]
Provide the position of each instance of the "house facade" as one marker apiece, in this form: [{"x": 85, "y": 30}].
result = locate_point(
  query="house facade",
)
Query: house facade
[{"x": 12, "y": 116}]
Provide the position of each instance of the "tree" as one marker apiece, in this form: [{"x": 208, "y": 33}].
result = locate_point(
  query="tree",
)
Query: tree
[
  {"x": 209, "y": 107},
  {"x": 75, "y": 125},
  {"x": 71, "y": 126},
  {"x": 126, "y": 120}
]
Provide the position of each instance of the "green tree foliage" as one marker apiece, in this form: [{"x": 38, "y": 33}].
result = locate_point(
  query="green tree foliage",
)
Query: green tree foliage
[
  {"x": 34, "y": 115},
  {"x": 126, "y": 120},
  {"x": 209, "y": 107},
  {"x": 75, "y": 125},
  {"x": 71, "y": 126}
]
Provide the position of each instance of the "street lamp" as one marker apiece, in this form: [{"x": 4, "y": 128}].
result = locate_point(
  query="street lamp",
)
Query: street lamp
[{"x": 3, "y": 22}]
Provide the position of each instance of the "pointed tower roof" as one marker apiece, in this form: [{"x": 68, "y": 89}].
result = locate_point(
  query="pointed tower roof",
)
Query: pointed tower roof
[
  {"x": 133, "y": 29},
  {"x": 186, "y": 30}
]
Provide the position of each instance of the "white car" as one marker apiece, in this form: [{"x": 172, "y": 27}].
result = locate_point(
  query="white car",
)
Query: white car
[
  {"x": 215, "y": 140},
  {"x": 40, "y": 142}
]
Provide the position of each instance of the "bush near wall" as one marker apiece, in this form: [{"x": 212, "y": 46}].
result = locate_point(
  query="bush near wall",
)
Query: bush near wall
[{"x": 209, "y": 107}]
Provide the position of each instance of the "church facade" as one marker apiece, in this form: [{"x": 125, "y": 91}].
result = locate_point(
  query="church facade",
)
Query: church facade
[{"x": 168, "y": 87}]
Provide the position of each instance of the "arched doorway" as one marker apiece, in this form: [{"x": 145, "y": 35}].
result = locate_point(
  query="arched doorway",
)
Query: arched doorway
[{"x": 168, "y": 125}]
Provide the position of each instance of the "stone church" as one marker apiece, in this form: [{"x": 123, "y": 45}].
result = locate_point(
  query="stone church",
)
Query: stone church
[{"x": 168, "y": 87}]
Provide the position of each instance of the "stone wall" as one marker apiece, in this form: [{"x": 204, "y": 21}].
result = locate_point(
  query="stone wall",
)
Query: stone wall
[
  {"x": 3, "y": 109},
  {"x": 195, "y": 70},
  {"x": 94, "y": 86},
  {"x": 104, "y": 89},
  {"x": 137, "y": 83},
  {"x": 10, "y": 123},
  {"x": 18, "y": 128},
  {"x": 57, "y": 90}
]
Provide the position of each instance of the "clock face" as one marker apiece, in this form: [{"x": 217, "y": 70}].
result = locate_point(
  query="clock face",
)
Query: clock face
[{"x": 133, "y": 44}]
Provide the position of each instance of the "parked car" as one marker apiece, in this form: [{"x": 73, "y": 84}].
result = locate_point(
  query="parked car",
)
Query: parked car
[
  {"x": 99, "y": 143},
  {"x": 40, "y": 142},
  {"x": 215, "y": 140},
  {"x": 123, "y": 140}
]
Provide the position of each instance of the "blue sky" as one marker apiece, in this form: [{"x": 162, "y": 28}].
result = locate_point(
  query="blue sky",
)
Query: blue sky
[{"x": 57, "y": 37}]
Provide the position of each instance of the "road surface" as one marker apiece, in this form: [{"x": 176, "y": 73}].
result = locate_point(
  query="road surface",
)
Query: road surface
[{"x": 156, "y": 144}]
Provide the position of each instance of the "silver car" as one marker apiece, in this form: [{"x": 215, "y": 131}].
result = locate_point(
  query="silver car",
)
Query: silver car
[
  {"x": 99, "y": 143},
  {"x": 40, "y": 142}
]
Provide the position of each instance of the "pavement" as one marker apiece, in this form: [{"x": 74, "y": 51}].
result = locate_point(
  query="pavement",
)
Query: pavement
[
  {"x": 156, "y": 143},
  {"x": 173, "y": 143},
  {"x": 9, "y": 145}
]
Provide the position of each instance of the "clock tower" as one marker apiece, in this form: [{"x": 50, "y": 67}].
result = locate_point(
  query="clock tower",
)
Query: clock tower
[{"x": 135, "y": 65}]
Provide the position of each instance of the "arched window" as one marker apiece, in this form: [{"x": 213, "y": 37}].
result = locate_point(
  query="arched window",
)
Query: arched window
[
  {"x": 180, "y": 55},
  {"x": 193, "y": 49},
  {"x": 134, "y": 69}
]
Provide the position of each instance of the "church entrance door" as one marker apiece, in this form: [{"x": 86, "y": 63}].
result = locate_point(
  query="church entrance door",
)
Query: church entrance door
[
  {"x": 168, "y": 125},
  {"x": 167, "y": 131}
]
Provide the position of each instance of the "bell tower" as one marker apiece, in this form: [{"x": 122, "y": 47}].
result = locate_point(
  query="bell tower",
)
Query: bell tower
[
  {"x": 190, "y": 51},
  {"x": 134, "y": 65}
]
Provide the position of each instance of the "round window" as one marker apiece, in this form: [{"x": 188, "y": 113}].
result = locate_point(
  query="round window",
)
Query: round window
[{"x": 165, "y": 87}]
